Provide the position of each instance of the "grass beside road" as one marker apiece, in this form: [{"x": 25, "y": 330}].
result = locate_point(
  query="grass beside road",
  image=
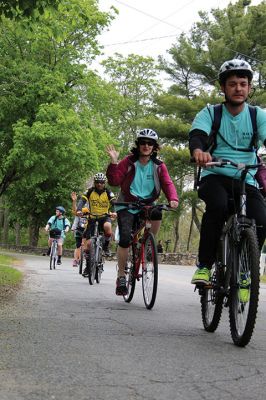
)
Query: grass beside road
[{"x": 9, "y": 276}]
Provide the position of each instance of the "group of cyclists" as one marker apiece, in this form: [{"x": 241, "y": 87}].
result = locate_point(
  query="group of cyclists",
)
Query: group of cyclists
[{"x": 142, "y": 175}]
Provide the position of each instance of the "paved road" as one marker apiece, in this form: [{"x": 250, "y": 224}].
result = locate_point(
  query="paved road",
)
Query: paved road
[{"x": 63, "y": 339}]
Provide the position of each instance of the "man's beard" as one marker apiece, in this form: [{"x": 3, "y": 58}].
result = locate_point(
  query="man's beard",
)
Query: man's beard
[{"x": 234, "y": 103}]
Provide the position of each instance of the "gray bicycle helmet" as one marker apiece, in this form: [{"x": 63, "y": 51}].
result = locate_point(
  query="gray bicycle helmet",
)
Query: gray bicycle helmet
[
  {"x": 234, "y": 65},
  {"x": 61, "y": 209},
  {"x": 147, "y": 134}
]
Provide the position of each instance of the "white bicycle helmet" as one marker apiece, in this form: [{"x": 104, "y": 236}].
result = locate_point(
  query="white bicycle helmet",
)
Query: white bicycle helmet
[
  {"x": 99, "y": 177},
  {"x": 235, "y": 65},
  {"x": 147, "y": 134}
]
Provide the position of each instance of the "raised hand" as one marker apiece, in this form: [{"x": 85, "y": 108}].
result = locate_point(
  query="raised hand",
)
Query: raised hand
[
  {"x": 113, "y": 153},
  {"x": 74, "y": 196}
]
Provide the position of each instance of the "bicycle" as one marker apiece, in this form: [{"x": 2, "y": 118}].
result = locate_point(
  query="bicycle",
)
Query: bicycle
[
  {"x": 236, "y": 267},
  {"x": 94, "y": 258},
  {"x": 143, "y": 256},
  {"x": 55, "y": 234}
]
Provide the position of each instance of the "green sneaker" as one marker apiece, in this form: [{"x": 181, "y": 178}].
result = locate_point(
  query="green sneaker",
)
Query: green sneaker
[
  {"x": 201, "y": 275},
  {"x": 244, "y": 290}
]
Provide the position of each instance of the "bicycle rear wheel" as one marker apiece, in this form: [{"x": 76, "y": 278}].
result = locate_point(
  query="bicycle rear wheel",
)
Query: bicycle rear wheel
[
  {"x": 149, "y": 271},
  {"x": 212, "y": 300},
  {"x": 243, "y": 304},
  {"x": 91, "y": 263},
  {"x": 81, "y": 260},
  {"x": 130, "y": 274}
]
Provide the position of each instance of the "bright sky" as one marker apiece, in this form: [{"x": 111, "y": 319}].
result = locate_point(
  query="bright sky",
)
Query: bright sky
[{"x": 161, "y": 21}]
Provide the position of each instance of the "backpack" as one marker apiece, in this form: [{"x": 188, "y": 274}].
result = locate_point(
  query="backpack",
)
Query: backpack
[
  {"x": 212, "y": 143},
  {"x": 64, "y": 223}
]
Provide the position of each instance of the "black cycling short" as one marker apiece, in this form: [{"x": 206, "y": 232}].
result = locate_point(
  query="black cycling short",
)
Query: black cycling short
[
  {"x": 127, "y": 221},
  {"x": 90, "y": 227}
]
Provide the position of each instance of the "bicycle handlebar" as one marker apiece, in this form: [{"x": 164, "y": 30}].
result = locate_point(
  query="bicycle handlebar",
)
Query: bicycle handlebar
[
  {"x": 137, "y": 205},
  {"x": 222, "y": 162}
]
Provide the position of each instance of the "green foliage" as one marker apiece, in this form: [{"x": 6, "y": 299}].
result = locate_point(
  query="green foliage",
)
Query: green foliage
[
  {"x": 135, "y": 79},
  {"x": 15, "y": 9}
]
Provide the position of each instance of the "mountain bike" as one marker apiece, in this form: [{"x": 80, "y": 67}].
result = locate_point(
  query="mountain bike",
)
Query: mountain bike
[
  {"x": 236, "y": 268},
  {"x": 142, "y": 260},
  {"x": 55, "y": 234},
  {"x": 94, "y": 257}
]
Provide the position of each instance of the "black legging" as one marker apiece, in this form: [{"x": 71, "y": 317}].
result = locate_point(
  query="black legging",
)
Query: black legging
[{"x": 215, "y": 191}]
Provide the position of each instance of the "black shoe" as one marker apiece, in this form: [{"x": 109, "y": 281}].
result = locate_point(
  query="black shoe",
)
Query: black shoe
[
  {"x": 85, "y": 273},
  {"x": 121, "y": 286},
  {"x": 59, "y": 262},
  {"x": 48, "y": 252}
]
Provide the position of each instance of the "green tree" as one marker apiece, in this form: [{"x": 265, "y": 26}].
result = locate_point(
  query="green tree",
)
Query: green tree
[
  {"x": 51, "y": 141},
  {"x": 135, "y": 79},
  {"x": 236, "y": 31},
  {"x": 15, "y": 9}
]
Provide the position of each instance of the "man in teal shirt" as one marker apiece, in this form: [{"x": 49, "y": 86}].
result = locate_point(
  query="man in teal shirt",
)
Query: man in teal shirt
[{"x": 217, "y": 185}]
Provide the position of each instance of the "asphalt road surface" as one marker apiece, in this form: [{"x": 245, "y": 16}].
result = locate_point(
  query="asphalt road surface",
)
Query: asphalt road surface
[{"x": 62, "y": 339}]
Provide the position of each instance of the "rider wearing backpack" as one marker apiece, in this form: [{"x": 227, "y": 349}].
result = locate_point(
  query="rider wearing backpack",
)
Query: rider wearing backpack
[
  {"x": 57, "y": 224},
  {"x": 235, "y": 141}
]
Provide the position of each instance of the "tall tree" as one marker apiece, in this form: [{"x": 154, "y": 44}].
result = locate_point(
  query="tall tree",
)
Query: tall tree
[{"x": 135, "y": 78}]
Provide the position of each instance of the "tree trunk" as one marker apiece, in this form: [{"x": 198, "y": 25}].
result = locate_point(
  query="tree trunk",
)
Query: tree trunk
[
  {"x": 176, "y": 233},
  {"x": 1, "y": 217},
  {"x": 190, "y": 228},
  {"x": 6, "y": 226},
  {"x": 34, "y": 228},
  {"x": 18, "y": 233}
]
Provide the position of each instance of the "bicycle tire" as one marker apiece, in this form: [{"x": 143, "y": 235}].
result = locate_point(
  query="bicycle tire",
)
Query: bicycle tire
[
  {"x": 81, "y": 260},
  {"x": 91, "y": 263},
  {"x": 149, "y": 271},
  {"x": 212, "y": 301},
  {"x": 242, "y": 314},
  {"x": 53, "y": 255},
  {"x": 99, "y": 265},
  {"x": 130, "y": 274}
]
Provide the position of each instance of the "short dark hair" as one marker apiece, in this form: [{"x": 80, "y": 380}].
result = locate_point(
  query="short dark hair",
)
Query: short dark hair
[{"x": 240, "y": 74}]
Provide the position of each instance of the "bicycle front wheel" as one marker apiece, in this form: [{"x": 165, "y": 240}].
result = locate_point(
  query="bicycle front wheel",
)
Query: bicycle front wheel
[
  {"x": 212, "y": 300},
  {"x": 81, "y": 260},
  {"x": 130, "y": 274},
  {"x": 149, "y": 271},
  {"x": 91, "y": 263},
  {"x": 244, "y": 290},
  {"x": 53, "y": 255},
  {"x": 99, "y": 264}
]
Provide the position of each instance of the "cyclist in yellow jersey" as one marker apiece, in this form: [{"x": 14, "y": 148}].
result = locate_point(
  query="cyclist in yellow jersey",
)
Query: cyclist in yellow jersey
[{"x": 100, "y": 201}]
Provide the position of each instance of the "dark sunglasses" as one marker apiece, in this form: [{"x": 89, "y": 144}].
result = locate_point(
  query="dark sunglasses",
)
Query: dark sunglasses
[
  {"x": 148, "y": 142},
  {"x": 103, "y": 182}
]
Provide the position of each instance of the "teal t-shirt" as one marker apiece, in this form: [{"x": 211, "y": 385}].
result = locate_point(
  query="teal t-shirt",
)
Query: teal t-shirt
[
  {"x": 237, "y": 130},
  {"x": 59, "y": 224},
  {"x": 142, "y": 185}
]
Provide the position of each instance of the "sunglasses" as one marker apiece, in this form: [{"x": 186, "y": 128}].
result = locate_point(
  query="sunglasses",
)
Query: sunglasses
[
  {"x": 148, "y": 142},
  {"x": 102, "y": 182}
]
